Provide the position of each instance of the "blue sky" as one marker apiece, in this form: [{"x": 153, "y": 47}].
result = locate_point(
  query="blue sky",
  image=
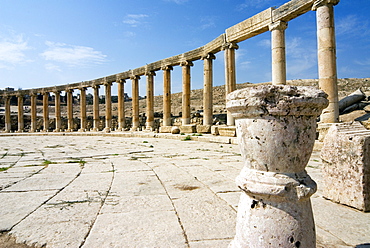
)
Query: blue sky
[{"x": 53, "y": 42}]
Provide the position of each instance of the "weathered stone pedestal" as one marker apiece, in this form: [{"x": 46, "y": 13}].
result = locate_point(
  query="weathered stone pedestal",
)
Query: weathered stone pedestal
[{"x": 276, "y": 128}]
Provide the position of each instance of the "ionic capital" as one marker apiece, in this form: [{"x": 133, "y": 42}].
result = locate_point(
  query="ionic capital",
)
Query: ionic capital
[
  {"x": 279, "y": 25},
  {"x": 229, "y": 45},
  {"x": 320, "y": 3},
  {"x": 120, "y": 81},
  {"x": 96, "y": 86},
  {"x": 150, "y": 73},
  {"x": 56, "y": 92},
  {"x": 167, "y": 68},
  {"x": 45, "y": 93},
  {"x": 106, "y": 83},
  {"x": 135, "y": 77},
  {"x": 19, "y": 94},
  {"x": 186, "y": 63},
  {"x": 209, "y": 56},
  {"x": 82, "y": 88},
  {"x": 69, "y": 90}
]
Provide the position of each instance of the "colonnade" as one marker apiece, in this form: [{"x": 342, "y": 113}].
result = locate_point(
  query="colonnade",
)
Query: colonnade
[{"x": 227, "y": 42}]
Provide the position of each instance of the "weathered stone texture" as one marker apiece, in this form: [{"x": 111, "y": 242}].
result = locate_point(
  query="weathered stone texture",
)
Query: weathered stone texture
[{"x": 346, "y": 157}]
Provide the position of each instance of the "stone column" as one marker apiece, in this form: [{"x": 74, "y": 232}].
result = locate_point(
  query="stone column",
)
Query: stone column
[
  {"x": 121, "y": 104},
  {"x": 150, "y": 100},
  {"x": 20, "y": 113},
  {"x": 186, "y": 89},
  {"x": 8, "y": 121},
  {"x": 108, "y": 107},
  {"x": 278, "y": 52},
  {"x": 230, "y": 74},
  {"x": 135, "y": 103},
  {"x": 327, "y": 57},
  {"x": 83, "y": 109},
  {"x": 96, "y": 108},
  {"x": 207, "y": 89},
  {"x": 45, "y": 110},
  {"x": 58, "y": 120},
  {"x": 33, "y": 113},
  {"x": 276, "y": 130},
  {"x": 70, "y": 109},
  {"x": 167, "y": 95}
]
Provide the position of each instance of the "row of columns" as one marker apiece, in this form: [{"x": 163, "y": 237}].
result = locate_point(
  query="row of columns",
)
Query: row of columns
[{"x": 327, "y": 82}]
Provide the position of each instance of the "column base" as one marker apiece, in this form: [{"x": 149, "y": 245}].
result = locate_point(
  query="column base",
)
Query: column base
[
  {"x": 107, "y": 130},
  {"x": 95, "y": 129},
  {"x": 134, "y": 129},
  {"x": 149, "y": 129},
  {"x": 82, "y": 130},
  {"x": 69, "y": 130},
  {"x": 57, "y": 130}
]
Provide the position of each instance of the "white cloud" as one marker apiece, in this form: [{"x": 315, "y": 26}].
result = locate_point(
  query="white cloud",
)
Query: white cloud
[
  {"x": 254, "y": 4},
  {"x": 134, "y": 20},
  {"x": 266, "y": 43},
  {"x": 72, "y": 55},
  {"x": 207, "y": 22},
  {"x": 129, "y": 34},
  {"x": 52, "y": 67},
  {"x": 177, "y": 1},
  {"x": 12, "y": 51}
]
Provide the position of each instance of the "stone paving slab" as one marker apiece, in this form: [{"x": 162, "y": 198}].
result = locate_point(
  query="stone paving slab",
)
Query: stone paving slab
[{"x": 139, "y": 192}]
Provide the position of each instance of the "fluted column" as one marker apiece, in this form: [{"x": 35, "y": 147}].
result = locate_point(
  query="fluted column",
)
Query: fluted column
[
  {"x": 150, "y": 100},
  {"x": 33, "y": 113},
  {"x": 121, "y": 104},
  {"x": 96, "y": 108},
  {"x": 108, "y": 107},
  {"x": 230, "y": 74},
  {"x": 45, "y": 110},
  {"x": 186, "y": 89},
  {"x": 20, "y": 113},
  {"x": 327, "y": 57},
  {"x": 82, "y": 109},
  {"x": 58, "y": 120},
  {"x": 207, "y": 89},
  {"x": 70, "y": 109},
  {"x": 135, "y": 103},
  {"x": 278, "y": 52},
  {"x": 8, "y": 123},
  {"x": 167, "y": 95}
]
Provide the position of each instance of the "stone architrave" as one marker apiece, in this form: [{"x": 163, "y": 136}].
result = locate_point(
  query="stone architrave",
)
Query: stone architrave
[
  {"x": 327, "y": 57},
  {"x": 33, "y": 113},
  {"x": 8, "y": 123},
  {"x": 278, "y": 52},
  {"x": 186, "y": 89},
  {"x": 108, "y": 107},
  {"x": 96, "y": 116},
  {"x": 346, "y": 165},
  {"x": 230, "y": 74},
  {"x": 58, "y": 121},
  {"x": 276, "y": 129},
  {"x": 70, "y": 109},
  {"x": 207, "y": 89},
  {"x": 82, "y": 109},
  {"x": 150, "y": 100},
  {"x": 167, "y": 95},
  {"x": 121, "y": 104},
  {"x": 20, "y": 99},
  {"x": 45, "y": 110},
  {"x": 135, "y": 103}
]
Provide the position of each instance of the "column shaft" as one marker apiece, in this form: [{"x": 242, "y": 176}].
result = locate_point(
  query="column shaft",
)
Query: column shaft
[
  {"x": 83, "y": 109},
  {"x": 121, "y": 104},
  {"x": 186, "y": 88},
  {"x": 20, "y": 113},
  {"x": 327, "y": 57},
  {"x": 45, "y": 110},
  {"x": 33, "y": 113},
  {"x": 70, "y": 109},
  {"x": 96, "y": 108},
  {"x": 150, "y": 100},
  {"x": 230, "y": 75},
  {"x": 278, "y": 52},
  {"x": 207, "y": 90},
  {"x": 8, "y": 122},
  {"x": 108, "y": 107},
  {"x": 135, "y": 103},
  {"x": 167, "y": 95},
  {"x": 58, "y": 120}
]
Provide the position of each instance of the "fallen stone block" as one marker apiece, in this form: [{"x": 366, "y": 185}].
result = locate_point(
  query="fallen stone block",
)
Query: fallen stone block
[
  {"x": 165, "y": 129},
  {"x": 229, "y": 131},
  {"x": 204, "y": 129},
  {"x": 188, "y": 129}
]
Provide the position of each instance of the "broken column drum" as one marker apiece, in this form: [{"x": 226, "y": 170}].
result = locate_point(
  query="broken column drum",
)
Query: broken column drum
[{"x": 276, "y": 128}]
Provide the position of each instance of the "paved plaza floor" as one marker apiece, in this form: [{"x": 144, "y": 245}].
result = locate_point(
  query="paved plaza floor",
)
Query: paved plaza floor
[{"x": 105, "y": 191}]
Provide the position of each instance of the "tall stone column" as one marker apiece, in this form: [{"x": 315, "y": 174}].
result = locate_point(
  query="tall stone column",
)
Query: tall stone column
[
  {"x": 82, "y": 109},
  {"x": 135, "y": 103},
  {"x": 327, "y": 57},
  {"x": 186, "y": 89},
  {"x": 33, "y": 113},
  {"x": 121, "y": 104},
  {"x": 8, "y": 121},
  {"x": 150, "y": 100},
  {"x": 207, "y": 89},
  {"x": 70, "y": 109},
  {"x": 45, "y": 110},
  {"x": 230, "y": 74},
  {"x": 278, "y": 52},
  {"x": 20, "y": 113},
  {"x": 96, "y": 108},
  {"x": 167, "y": 95},
  {"x": 276, "y": 130},
  {"x": 58, "y": 119},
  {"x": 108, "y": 107}
]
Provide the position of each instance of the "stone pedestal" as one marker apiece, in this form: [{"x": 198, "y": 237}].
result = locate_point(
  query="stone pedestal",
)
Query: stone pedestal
[
  {"x": 276, "y": 128},
  {"x": 346, "y": 160},
  {"x": 188, "y": 128}
]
